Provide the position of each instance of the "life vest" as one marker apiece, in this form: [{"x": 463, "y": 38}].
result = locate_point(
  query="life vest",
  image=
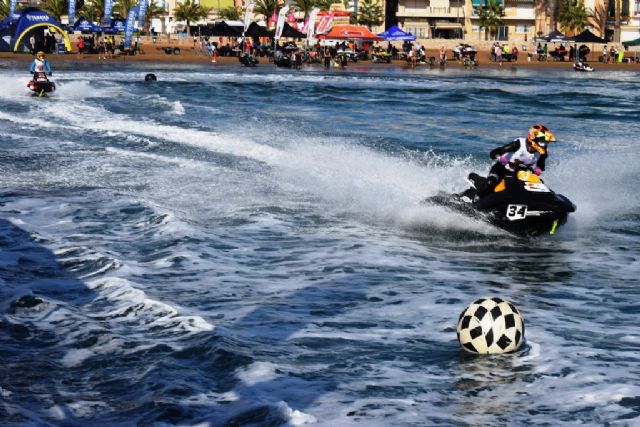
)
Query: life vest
[
  {"x": 39, "y": 68},
  {"x": 521, "y": 154}
]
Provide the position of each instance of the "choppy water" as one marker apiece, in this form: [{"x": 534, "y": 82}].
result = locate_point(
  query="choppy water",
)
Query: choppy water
[{"x": 233, "y": 247}]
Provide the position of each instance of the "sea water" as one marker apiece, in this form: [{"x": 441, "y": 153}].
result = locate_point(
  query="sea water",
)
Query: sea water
[{"x": 231, "y": 247}]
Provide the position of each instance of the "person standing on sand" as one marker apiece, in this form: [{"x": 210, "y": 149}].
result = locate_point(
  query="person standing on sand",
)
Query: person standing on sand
[{"x": 443, "y": 54}]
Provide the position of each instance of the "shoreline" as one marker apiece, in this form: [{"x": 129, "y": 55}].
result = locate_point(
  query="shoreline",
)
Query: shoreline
[{"x": 156, "y": 55}]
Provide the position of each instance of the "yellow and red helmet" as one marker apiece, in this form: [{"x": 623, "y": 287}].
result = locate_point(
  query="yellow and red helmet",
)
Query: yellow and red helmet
[
  {"x": 539, "y": 136},
  {"x": 40, "y": 54}
]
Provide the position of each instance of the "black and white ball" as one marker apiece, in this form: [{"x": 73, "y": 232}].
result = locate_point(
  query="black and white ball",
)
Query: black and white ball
[{"x": 490, "y": 326}]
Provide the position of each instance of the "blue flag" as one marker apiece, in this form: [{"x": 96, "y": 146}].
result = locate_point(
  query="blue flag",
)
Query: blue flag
[
  {"x": 12, "y": 7},
  {"x": 108, "y": 7},
  {"x": 72, "y": 12},
  {"x": 142, "y": 10},
  {"x": 131, "y": 25}
]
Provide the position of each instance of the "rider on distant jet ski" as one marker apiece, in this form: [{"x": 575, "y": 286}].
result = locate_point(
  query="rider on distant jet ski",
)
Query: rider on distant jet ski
[
  {"x": 530, "y": 151},
  {"x": 40, "y": 66}
]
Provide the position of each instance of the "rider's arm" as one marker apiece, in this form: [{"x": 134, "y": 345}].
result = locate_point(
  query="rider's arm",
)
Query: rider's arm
[
  {"x": 33, "y": 67},
  {"x": 47, "y": 67},
  {"x": 510, "y": 147},
  {"x": 541, "y": 161}
]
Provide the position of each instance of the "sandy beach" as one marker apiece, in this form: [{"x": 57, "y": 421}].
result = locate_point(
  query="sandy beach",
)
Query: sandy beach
[{"x": 154, "y": 53}]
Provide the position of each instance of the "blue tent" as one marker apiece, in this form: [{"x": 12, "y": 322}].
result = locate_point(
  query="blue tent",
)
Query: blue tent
[
  {"x": 14, "y": 28},
  {"x": 84, "y": 25},
  {"x": 117, "y": 26},
  {"x": 395, "y": 33}
]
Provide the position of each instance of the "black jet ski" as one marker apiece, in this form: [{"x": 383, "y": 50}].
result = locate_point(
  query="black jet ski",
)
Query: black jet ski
[
  {"x": 40, "y": 85},
  {"x": 248, "y": 60},
  {"x": 521, "y": 203}
]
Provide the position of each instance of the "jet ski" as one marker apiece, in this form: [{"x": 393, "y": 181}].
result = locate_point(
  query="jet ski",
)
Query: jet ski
[
  {"x": 40, "y": 85},
  {"x": 248, "y": 60},
  {"x": 582, "y": 66},
  {"x": 521, "y": 203}
]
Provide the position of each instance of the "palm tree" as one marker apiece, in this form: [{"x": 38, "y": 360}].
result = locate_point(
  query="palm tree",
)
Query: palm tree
[
  {"x": 232, "y": 13},
  {"x": 56, "y": 8},
  {"x": 4, "y": 8},
  {"x": 370, "y": 13},
  {"x": 305, "y": 6},
  {"x": 490, "y": 17},
  {"x": 599, "y": 17},
  {"x": 617, "y": 12},
  {"x": 265, "y": 8},
  {"x": 573, "y": 16},
  {"x": 122, "y": 7},
  {"x": 92, "y": 10},
  {"x": 153, "y": 10},
  {"x": 190, "y": 10}
]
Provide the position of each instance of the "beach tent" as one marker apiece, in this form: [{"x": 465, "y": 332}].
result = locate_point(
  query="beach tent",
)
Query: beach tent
[
  {"x": 288, "y": 32},
  {"x": 117, "y": 26},
  {"x": 554, "y": 36},
  {"x": 587, "y": 37},
  {"x": 16, "y": 30},
  {"x": 350, "y": 32},
  {"x": 395, "y": 33},
  {"x": 220, "y": 28},
  {"x": 256, "y": 30},
  {"x": 86, "y": 26},
  {"x": 634, "y": 42}
]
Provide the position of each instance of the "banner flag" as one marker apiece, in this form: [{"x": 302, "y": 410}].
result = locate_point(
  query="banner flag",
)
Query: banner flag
[
  {"x": 108, "y": 7},
  {"x": 281, "y": 18},
  {"x": 72, "y": 12},
  {"x": 131, "y": 25},
  {"x": 142, "y": 11}
]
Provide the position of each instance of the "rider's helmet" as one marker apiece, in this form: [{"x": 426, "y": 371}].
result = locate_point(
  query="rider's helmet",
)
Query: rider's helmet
[
  {"x": 40, "y": 55},
  {"x": 539, "y": 136}
]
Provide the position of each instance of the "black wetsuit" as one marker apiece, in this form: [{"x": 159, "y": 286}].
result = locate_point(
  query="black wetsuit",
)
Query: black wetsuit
[{"x": 498, "y": 170}]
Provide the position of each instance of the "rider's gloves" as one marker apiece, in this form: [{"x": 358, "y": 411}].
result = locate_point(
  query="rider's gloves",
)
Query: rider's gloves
[
  {"x": 503, "y": 160},
  {"x": 49, "y": 73},
  {"x": 537, "y": 171}
]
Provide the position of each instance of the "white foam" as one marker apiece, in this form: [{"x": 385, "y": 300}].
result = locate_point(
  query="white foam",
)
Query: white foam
[{"x": 257, "y": 372}]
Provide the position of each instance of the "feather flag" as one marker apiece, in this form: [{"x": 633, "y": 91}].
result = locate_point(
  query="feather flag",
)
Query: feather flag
[
  {"x": 291, "y": 19},
  {"x": 248, "y": 16},
  {"x": 142, "y": 11},
  {"x": 72, "y": 12},
  {"x": 280, "y": 24},
  {"x": 108, "y": 7},
  {"x": 12, "y": 7},
  {"x": 128, "y": 30},
  {"x": 325, "y": 23},
  {"x": 311, "y": 23}
]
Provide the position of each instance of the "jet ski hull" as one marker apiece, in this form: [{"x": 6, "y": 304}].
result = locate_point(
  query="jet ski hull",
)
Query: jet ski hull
[
  {"x": 527, "y": 212},
  {"x": 41, "y": 88}
]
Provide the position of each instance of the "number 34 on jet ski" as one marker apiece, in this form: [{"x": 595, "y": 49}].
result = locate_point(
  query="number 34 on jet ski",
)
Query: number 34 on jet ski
[{"x": 514, "y": 197}]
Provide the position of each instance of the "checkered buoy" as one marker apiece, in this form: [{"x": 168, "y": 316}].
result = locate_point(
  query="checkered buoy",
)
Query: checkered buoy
[{"x": 490, "y": 326}]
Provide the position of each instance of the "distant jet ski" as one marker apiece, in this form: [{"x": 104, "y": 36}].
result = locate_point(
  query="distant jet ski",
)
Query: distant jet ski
[
  {"x": 40, "y": 85},
  {"x": 521, "y": 203},
  {"x": 582, "y": 66}
]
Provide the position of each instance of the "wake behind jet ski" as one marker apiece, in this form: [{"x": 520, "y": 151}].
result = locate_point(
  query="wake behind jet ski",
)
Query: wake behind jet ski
[
  {"x": 521, "y": 203},
  {"x": 513, "y": 196},
  {"x": 40, "y": 85}
]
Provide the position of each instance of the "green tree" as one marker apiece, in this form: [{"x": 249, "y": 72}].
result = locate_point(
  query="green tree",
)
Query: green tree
[
  {"x": 599, "y": 17},
  {"x": 265, "y": 8},
  {"x": 232, "y": 13},
  {"x": 190, "y": 11},
  {"x": 56, "y": 8},
  {"x": 4, "y": 8},
  {"x": 490, "y": 16},
  {"x": 122, "y": 7},
  {"x": 370, "y": 13},
  {"x": 92, "y": 10},
  {"x": 324, "y": 4},
  {"x": 573, "y": 16},
  {"x": 305, "y": 6},
  {"x": 153, "y": 10}
]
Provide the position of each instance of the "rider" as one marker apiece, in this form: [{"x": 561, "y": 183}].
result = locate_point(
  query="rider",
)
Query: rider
[
  {"x": 40, "y": 65},
  {"x": 530, "y": 151}
]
